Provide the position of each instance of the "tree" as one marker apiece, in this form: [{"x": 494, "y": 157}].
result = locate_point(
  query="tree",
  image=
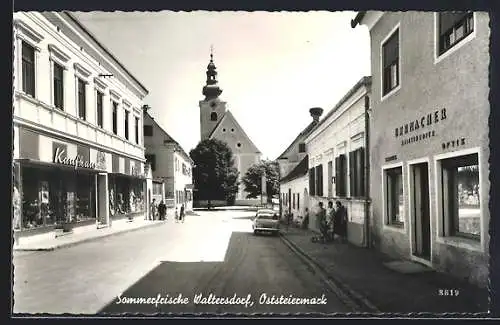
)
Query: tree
[
  {"x": 214, "y": 174},
  {"x": 253, "y": 179}
]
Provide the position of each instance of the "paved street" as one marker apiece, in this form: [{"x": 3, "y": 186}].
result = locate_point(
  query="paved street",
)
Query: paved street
[{"x": 213, "y": 256}]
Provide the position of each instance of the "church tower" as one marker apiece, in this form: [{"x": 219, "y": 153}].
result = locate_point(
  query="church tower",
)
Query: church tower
[
  {"x": 212, "y": 109},
  {"x": 217, "y": 122}
]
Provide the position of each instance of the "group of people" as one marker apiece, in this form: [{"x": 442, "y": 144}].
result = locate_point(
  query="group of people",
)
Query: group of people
[
  {"x": 159, "y": 212},
  {"x": 332, "y": 221}
]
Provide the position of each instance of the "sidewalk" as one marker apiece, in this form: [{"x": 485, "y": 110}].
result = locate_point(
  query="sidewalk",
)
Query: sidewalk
[
  {"x": 361, "y": 273},
  {"x": 86, "y": 234}
]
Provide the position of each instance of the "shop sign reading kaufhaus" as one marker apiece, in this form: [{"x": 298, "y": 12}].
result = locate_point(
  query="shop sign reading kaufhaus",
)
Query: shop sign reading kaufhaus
[
  {"x": 420, "y": 127},
  {"x": 61, "y": 157}
]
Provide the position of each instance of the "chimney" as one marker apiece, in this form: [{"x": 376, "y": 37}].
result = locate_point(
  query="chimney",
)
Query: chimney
[{"x": 316, "y": 113}]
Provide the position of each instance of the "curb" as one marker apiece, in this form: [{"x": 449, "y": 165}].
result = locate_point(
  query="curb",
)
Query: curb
[
  {"x": 348, "y": 295},
  {"x": 86, "y": 240}
]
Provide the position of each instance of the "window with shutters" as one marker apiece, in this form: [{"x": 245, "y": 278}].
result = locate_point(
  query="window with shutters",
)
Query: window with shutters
[
  {"x": 115, "y": 117},
  {"x": 99, "y": 97},
  {"x": 356, "y": 172},
  {"x": 136, "y": 130},
  {"x": 319, "y": 180},
  {"x": 126, "y": 126},
  {"x": 28, "y": 69},
  {"x": 341, "y": 176},
  {"x": 453, "y": 28},
  {"x": 58, "y": 86},
  {"x": 329, "y": 179},
  {"x": 312, "y": 183},
  {"x": 82, "y": 109},
  {"x": 390, "y": 63}
]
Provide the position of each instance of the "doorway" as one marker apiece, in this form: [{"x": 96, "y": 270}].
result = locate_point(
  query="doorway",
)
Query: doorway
[{"x": 420, "y": 212}]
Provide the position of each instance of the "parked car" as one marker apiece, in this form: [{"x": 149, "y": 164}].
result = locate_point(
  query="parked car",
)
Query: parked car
[{"x": 266, "y": 220}]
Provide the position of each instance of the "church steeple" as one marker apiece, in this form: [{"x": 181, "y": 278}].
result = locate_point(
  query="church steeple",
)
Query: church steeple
[{"x": 211, "y": 89}]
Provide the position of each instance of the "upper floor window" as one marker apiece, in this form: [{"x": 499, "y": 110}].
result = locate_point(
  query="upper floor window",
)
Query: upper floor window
[
  {"x": 126, "y": 126},
  {"x": 148, "y": 130},
  {"x": 115, "y": 118},
  {"x": 28, "y": 69},
  {"x": 99, "y": 97},
  {"x": 213, "y": 116},
  {"x": 453, "y": 27},
  {"x": 390, "y": 63},
  {"x": 137, "y": 130},
  {"x": 58, "y": 86},
  {"x": 302, "y": 147},
  {"x": 81, "y": 99}
]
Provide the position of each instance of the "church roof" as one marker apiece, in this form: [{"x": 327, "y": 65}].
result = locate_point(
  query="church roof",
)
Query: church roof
[
  {"x": 298, "y": 171},
  {"x": 230, "y": 116}
]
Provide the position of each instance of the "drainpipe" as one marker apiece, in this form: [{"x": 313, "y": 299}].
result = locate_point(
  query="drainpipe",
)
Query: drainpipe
[{"x": 367, "y": 173}]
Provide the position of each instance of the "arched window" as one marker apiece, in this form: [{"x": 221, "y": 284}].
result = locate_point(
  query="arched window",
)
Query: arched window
[{"x": 213, "y": 116}]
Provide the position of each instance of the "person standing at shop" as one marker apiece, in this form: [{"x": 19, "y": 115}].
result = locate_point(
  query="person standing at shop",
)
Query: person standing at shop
[
  {"x": 153, "y": 210},
  {"x": 162, "y": 210},
  {"x": 182, "y": 215},
  {"x": 341, "y": 221}
]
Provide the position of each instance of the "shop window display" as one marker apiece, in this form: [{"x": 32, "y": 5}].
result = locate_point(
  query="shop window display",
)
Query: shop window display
[
  {"x": 85, "y": 198},
  {"x": 55, "y": 197},
  {"x": 38, "y": 208},
  {"x": 126, "y": 195}
]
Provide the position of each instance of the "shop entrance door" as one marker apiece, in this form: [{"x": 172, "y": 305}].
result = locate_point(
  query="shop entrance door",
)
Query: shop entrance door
[{"x": 421, "y": 223}]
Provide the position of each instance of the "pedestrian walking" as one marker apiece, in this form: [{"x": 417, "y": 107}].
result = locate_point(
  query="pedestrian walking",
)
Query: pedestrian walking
[
  {"x": 331, "y": 219},
  {"x": 152, "y": 210},
  {"x": 182, "y": 215},
  {"x": 305, "y": 222},
  {"x": 322, "y": 222},
  {"x": 162, "y": 210},
  {"x": 341, "y": 221}
]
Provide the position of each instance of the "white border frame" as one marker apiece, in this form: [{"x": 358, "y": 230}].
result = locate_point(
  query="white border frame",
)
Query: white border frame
[
  {"x": 385, "y": 224},
  {"x": 411, "y": 217},
  {"x": 438, "y": 58},
  {"x": 459, "y": 242},
  {"x": 381, "y": 56}
]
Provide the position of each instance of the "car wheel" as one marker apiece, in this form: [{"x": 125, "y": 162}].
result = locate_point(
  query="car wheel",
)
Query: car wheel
[{"x": 255, "y": 232}]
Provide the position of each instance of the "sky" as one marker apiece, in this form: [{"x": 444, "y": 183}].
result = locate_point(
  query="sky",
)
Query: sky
[{"x": 272, "y": 66}]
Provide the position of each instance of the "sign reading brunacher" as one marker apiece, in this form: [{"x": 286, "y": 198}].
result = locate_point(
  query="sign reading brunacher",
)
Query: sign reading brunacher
[
  {"x": 418, "y": 125},
  {"x": 61, "y": 157}
]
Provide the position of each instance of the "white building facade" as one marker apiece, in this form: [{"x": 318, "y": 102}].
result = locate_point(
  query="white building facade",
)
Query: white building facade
[
  {"x": 293, "y": 167},
  {"x": 78, "y": 143},
  {"x": 170, "y": 164},
  {"x": 337, "y": 169},
  {"x": 429, "y": 139}
]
